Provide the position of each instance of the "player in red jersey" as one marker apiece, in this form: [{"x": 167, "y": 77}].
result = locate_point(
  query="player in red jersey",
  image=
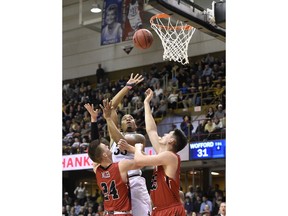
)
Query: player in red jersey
[
  {"x": 112, "y": 178},
  {"x": 165, "y": 187}
]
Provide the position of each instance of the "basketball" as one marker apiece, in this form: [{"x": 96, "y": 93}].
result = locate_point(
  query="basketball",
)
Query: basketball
[{"x": 143, "y": 38}]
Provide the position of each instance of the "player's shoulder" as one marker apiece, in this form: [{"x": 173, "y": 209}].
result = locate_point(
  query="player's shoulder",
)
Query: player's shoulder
[
  {"x": 95, "y": 167},
  {"x": 140, "y": 138},
  {"x": 168, "y": 154},
  {"x": 135, "y": 134},
  {"x": 140, "y": 135}
]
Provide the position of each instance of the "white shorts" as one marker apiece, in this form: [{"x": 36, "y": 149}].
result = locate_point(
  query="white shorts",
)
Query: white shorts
[{"x": 140, "y": 198}]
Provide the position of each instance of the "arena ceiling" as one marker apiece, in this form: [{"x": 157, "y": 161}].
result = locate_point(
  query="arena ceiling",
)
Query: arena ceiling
[{"x": 81, "y": 8}]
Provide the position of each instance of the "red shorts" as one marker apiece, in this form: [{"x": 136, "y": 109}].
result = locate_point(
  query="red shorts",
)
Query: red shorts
[{"x": 175, "y": 210}]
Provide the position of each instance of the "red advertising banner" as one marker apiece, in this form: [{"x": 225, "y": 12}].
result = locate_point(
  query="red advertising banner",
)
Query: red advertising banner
[{"x": 76, "y": 162}]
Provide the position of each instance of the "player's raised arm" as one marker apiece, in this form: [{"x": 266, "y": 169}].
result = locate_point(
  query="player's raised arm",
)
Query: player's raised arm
[
  {"x": 133, "y": 81},
  {"x": 151, "y": 127},
  {"x": 165, "y": 158},
  {"x": 107, "y": 109},
  {"x": 93, "y": 113},
  {"x": 94, "y": 127}
]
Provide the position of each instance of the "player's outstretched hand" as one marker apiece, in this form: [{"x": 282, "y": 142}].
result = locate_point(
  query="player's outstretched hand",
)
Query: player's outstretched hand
[
  {"x": 149, "y": 94},
  {"x": 106, "y": 108},
  {"x": 135, "y": 80},
  {"x": 93, "y": 113}
]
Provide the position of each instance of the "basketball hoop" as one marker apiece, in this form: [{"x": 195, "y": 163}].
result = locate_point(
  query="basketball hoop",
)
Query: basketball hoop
[{"x": 175, "y": 38}]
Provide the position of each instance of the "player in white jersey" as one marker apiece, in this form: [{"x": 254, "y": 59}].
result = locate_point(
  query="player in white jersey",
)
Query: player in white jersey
[
  {"x": 141, "y": 202},
  {"x": 140, "y": 198},
  {"x": 134, "y": 15}
]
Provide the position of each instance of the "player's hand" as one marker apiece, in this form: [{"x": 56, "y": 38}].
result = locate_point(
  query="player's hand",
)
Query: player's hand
[
  {"x": 135, "y": 80},
  {"x": 139, "y": 146},
  {"x": 106, "y": 108},
  {"x": 149, "y": 94},
  {"x": 93, "y": 113},
  {"x": 124, "y": 145}
]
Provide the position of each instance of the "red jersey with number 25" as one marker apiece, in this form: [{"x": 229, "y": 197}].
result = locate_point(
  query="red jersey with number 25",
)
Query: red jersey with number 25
[
  {"x": 116, "y": 192},
  {"x": 165, "y": 193}
]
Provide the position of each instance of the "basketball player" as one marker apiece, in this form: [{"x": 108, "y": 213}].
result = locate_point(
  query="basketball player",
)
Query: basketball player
[
  {"x": 112, "y": 179},
  {"x": 112, "y": 32},
  {"x": 141, "y": 202},
  {"x": 134, "y": 15},
  {"x": 166, "y": 175}
]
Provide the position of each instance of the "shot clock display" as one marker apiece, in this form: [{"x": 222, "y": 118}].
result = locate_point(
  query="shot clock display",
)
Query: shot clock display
[{"x": 207, "y": 150}]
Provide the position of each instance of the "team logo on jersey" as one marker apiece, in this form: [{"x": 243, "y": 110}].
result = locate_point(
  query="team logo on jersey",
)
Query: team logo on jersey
[{"x": 105, "y": 174}]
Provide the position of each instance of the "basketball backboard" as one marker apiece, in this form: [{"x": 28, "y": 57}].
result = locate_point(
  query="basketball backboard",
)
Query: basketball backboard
[{"x": 199, "y": 14}]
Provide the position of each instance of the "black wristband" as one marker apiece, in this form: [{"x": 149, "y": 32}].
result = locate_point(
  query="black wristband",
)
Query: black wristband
[{"x": 131, "y": 84}]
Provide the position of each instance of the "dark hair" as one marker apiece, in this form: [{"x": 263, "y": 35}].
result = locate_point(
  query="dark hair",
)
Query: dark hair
[
  {"x": 189, "y": 117},
  {"x": 94, "y": 150},
  {"x": 181, "y": 140},
  {"x": 104, "y": 141}
]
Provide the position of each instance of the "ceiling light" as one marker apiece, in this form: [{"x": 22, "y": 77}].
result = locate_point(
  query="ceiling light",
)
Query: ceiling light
[
  {"x": 95, "y": 8},
  {"x": 215, "y": 173}
]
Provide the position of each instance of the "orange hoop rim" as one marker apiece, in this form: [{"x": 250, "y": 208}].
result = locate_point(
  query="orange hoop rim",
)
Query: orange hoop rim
[{"x": 165, "y": 16}]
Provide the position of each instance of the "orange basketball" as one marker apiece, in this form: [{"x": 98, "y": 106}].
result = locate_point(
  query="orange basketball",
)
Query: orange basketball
[{"x": 143, "y": 38}]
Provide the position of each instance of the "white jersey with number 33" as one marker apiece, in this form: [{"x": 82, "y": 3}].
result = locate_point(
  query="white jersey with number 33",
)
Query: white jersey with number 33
[{"x": 117, "y": 156}]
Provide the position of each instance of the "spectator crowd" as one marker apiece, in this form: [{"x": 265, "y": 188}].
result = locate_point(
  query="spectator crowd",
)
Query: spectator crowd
[{"x": 176, "y": 87}]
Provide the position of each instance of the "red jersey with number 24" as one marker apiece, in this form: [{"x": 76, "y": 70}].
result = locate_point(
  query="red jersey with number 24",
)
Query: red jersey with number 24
[{"x": 116, "y": 192}]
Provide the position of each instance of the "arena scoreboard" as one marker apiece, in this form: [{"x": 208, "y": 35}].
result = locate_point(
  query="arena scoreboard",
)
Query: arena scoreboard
[{"x": 211, "y": 149}]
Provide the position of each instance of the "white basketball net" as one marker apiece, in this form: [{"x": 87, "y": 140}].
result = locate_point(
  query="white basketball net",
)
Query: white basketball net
[{"x": 175, "y": 38}]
